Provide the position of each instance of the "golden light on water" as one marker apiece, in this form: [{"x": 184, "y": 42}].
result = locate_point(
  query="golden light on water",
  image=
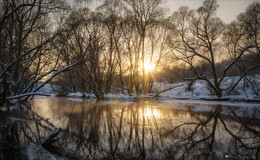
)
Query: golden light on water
[{"x": 151, "y": 113}]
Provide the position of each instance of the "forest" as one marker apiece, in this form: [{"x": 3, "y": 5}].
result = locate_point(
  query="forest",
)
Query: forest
[
  {"x": 122, "y": 47},
  {"x": 128, "y": 80}
]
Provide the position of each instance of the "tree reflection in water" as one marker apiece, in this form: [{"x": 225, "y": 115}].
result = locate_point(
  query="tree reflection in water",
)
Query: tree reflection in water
[{"x": 143, "y": 130}]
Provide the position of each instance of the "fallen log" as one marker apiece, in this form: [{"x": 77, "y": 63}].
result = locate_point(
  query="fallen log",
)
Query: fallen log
[{"x": 51, "y": 138}]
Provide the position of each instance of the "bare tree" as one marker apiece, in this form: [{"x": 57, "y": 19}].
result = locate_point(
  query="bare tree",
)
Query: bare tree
[
  {"x": 145, "y": 15},
  {"x": 159, "y": 50},
  {"x": 112, "y": 11},
  {"x": 25, "y": 48},
  {"x": 243, "y": 34},
  {"x": 130, "y": 40},
  {"x": 199, "y": 42}
]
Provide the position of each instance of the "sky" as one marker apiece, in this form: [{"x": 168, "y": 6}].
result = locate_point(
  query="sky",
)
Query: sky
[{"x": 227, "y": 11}]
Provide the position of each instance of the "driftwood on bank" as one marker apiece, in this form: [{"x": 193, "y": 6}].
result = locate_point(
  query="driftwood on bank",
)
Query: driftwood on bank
[{"x": 51, "y": 138}]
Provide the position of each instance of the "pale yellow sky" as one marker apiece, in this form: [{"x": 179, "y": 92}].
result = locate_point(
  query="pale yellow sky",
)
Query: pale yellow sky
[{"x": 227, "y": 11}]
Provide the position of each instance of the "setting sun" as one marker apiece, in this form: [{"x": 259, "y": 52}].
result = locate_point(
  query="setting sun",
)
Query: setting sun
[{"x": 149, "y": 67}]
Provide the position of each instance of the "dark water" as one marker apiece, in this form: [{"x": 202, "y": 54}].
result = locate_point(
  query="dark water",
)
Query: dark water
[{"x": 131, "y": 130}]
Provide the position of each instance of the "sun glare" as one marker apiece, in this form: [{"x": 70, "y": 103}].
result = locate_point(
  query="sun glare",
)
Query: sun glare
[{"x": 149, "y": 67}]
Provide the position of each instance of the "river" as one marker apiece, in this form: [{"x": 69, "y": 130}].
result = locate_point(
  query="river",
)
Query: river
[{"x": 121, "y": 129}]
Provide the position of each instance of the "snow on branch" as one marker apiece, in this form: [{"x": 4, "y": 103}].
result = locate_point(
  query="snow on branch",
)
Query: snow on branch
[
  {"x": 26, "y": 95},
  {"x": 234, "y": 61},
  {"x": 36, "y": 80},
  {"x": 26, "y": 53},
  {"x": 14, "y": 10},
  {"x": 51, "y": 138},
  {"x": 81, "y": 60}
]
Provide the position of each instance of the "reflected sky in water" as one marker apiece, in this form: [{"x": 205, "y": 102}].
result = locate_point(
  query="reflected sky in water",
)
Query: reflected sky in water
[{"x": 141, "y": 130}]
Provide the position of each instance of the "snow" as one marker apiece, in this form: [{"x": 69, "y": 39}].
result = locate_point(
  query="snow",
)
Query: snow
[
  {"x": 200, "y": 91},
  {"x": 118, "y": 96},
  {"x": 109, "y": 96},
  {"x": 26, "y": 94},
  {"x": 47, "y": 89},
  {"x": 78, "y": 94}
]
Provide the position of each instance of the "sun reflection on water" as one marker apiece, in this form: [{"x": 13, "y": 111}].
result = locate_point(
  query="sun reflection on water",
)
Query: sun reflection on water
[
  {"x": 61, "y": 111},
  {"x": 146, "y": 126},
  {"x": 150, "y": 113}
]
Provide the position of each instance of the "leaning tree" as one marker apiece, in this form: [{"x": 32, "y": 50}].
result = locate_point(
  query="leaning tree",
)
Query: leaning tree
[{"x": 26, "y": 50}]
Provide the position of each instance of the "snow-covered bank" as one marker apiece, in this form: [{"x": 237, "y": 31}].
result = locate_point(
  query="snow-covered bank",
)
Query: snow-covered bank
[
  {"x": 199, "y": 91},
  {"x": 108, "y": 96}
]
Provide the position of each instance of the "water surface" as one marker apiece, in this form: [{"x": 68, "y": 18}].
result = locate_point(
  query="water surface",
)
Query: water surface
[{"x": 143, "y": 129}]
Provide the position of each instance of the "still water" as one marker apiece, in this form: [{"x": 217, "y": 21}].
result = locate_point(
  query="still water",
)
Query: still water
[{"x": 119, "y": 129}]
